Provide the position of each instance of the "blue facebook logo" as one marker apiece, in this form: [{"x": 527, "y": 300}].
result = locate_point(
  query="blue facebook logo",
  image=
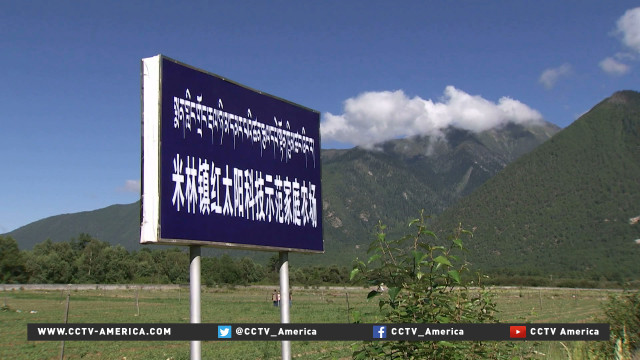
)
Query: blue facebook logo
[{"x": 379, "y": 332}]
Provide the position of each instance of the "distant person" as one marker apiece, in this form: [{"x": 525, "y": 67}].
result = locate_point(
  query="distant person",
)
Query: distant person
[
  {"x": 290, "y": 298},
  {"x": 274, "y": 298},
  {"x": 278, "y": 298}
]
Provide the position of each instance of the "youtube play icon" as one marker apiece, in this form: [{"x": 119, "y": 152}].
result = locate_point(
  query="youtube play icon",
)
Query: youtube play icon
[{"x": 517, "y": 332}]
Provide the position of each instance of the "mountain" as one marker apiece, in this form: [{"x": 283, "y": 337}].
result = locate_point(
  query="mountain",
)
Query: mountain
[
  {"x": 562, "y": 209},
  {"x": 391, "y": 182},
  {"x": 117, "y": 224},
  {"x": 565, "y": 207},
  {"x": 395, "y": 180}
]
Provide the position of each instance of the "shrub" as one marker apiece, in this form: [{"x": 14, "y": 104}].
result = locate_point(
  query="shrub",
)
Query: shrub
[
  {"x": 622, "y": 312},
  {"x": 424, "y": 286}
]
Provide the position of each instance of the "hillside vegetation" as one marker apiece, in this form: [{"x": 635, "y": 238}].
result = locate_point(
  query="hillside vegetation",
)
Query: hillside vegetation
[
  {"x": 564, "y": 208},
  {"x": 397, "y": 179},
  {"x": 559, "y": 211},
  {"x": 390, "y": 183},
  {"x": 116, "y": 224}
]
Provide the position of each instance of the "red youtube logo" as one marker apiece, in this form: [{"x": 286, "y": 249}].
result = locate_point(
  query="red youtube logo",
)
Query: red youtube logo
[{"x": 516, "y": 332}]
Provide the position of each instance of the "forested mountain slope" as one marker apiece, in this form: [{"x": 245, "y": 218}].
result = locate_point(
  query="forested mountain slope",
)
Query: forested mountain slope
[{"x": 565, "y": 207}]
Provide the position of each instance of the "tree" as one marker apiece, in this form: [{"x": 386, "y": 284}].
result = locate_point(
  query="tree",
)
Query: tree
[
  {"x": 79, "y": 243},
  {"x": 250, "y": 271},
  {"x": 229, "y": 272},
  {"x": 425, "y": 285},
  {"x": 175, "y": 265},
  {"x": 51, "y": 263},
  {"x": 118, "y": 265},
  {"x": 145, "y": 269},
  {"x": 273, "y": 264},
  {"x": 12, "y": 265},
  {"x": 89, "y": 261}
]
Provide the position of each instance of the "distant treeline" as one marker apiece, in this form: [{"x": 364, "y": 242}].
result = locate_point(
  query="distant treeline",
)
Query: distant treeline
[
  {"x": 87, "y": 260},
  {"x": 498, "y": 279}
]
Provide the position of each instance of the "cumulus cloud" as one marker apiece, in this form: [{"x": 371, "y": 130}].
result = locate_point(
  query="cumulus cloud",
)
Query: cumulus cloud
[
  {"x": 613, "y": 67},
  {"x": 549, "y": 77},
  {"x": 130, "y": 186},
  {"x": 373, "y": 117},
  {"x": 628, "y": 27}
]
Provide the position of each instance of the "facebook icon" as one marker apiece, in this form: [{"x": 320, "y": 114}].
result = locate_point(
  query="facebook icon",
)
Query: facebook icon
[{"x": 379, "y": 332}]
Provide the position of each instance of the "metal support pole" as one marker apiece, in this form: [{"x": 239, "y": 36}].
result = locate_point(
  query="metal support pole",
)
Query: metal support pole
[
  {"x": 194, "y": 301},
  {"x": 284, "y": 300}
]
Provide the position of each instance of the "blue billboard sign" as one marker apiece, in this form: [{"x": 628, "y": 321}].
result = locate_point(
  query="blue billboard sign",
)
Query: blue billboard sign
[{"x": 226, "y": 165}]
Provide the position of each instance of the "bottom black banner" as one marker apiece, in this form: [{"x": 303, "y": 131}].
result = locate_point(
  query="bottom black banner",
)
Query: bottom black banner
[{"x": 319, "y": 332}]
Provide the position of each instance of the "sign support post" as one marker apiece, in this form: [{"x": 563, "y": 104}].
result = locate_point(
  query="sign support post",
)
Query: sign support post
[
  {"x": 194, "y": 300},
  {"x": 284, "y": 300}
]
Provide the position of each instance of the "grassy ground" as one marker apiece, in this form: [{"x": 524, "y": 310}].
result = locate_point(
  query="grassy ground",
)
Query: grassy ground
[
  {"x": 238, "y": 305},
  {"x": 552, "y": 306}
]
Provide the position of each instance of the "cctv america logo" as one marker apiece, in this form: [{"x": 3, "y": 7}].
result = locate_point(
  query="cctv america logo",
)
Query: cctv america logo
[{"x": 380, "y": 332}]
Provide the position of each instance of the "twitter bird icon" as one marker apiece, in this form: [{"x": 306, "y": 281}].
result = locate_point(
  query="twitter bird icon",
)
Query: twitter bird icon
[{"x": 224, "y": 332}]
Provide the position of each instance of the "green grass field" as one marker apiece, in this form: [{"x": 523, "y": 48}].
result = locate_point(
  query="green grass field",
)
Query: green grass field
[{"x": 250, "y": 305}]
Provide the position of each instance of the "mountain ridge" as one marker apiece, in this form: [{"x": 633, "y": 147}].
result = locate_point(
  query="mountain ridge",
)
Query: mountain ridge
[
  {"x": 565, "y": 207},
  {"x": 389, "y": 183},
  {"x": 562, "y": 209}
]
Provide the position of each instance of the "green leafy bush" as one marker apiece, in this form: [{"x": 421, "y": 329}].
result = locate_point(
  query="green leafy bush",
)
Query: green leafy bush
[
  {"x": 622, "y": 312},
  {"x": 425, "y": 285}
]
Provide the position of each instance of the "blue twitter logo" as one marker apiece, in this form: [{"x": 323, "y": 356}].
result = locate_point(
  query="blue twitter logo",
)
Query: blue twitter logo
[{"x": 224, "y": 332}]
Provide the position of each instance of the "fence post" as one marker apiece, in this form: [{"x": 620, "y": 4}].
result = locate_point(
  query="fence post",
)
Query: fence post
[{"x": 66, "y": 320}]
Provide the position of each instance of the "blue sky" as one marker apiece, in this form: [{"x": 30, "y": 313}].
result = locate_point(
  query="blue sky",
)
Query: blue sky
[{"x": 70, "y": 78}]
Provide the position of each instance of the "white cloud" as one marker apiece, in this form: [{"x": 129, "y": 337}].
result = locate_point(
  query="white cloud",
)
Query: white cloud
[
  {"x": 613, "y": 67},
  {"x": 629, "y": 28},
  {"x": 373, "y": 117},
  {"x": 549, "y": 77},
  {"x": 130, "y": 186}
]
